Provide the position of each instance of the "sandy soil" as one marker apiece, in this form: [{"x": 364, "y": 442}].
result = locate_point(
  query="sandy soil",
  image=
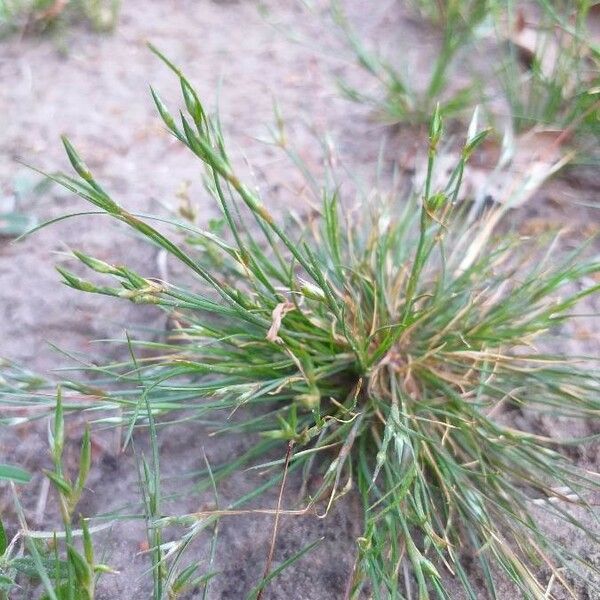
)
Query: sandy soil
[{"x": 97, "y": 93}]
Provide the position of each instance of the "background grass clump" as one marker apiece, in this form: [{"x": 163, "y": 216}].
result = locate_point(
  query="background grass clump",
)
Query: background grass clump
[
  {"x": 540, "y": 68},
  {"x": 37, "y": 16},
  {"x": 405, "y": 99},
  {"x": 50, "y": 560},
  {"x": 384, "y": 347}
]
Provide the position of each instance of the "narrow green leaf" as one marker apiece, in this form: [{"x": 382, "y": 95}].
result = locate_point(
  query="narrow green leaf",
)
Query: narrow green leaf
[
  {"x": 3, "y": 538},
  {"x": 88, "y": 545},
  {"x": 85, "y": 459},
  {"x": 61, "y": 484},
  {"x": 83, "y": 571},
  {"x": 12, "y": 473},
  {"x": 284, "y": 565}
]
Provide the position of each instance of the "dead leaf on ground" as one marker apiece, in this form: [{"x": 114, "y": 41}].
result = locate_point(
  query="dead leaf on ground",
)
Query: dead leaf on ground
[
  {"x": 536, "y": 156},
  {"x": 506, "y": 175},
  {"x": 534, "y": 43},
  {"x": 547, "y": 44},
  {"x": 536, "y": 226}
]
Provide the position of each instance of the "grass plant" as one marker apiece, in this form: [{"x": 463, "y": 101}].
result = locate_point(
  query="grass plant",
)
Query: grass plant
[
  {"x": 550, "y": 73},
  {"x": 546, "y": 73},
  {"x": 55, "y": 15},
  {"x": 51, "y": 559},
  {"x": 387, "y": 345},
  {"x": 405, "y": 101}
]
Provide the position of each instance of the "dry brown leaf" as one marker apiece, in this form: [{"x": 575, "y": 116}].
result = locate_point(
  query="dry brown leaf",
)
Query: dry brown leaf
[
  {"x": 536, "y": 226},
  {"x": 492, "y": 175},
  {"x": 537, "y": 155},
  {"x": 534, "y": 43},
  {"x": 277, "y": 315},
  {"x": 538, "y": 145},
  {"x": 535, "y": 40}
]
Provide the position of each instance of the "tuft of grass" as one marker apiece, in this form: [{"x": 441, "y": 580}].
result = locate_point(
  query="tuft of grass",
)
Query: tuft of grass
[
  {"x": 550, "y": 73},
  {"x": 443, "y": 12},
  {"x": 103, "y": 15},
  {"x": 54, "y": 15},
  {"x": 51, "y": 559},
  {"x": 391, "y": 344},
  {"x": 403, "y": 100},
  {"x": 547, "y": 73}
]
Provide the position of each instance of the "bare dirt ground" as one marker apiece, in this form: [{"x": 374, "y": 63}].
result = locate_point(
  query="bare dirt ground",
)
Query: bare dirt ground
[{"x": 97, "y": 93}]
